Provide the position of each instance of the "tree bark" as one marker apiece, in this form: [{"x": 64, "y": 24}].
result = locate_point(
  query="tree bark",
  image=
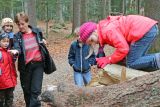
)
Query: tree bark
[
  {"x": 30, "y": 9},
  {"x": 59, "y": 12},
  {"x": 103, "y": 5},
  {"x": 76, "y": 14},
  {"x": 12, "y": 10},
  {"x": 141, "y": 91},
  {"x": 26, "y": 6},
  {"x": 114, "y": 70},
  {"x": 84, "y": 16}
]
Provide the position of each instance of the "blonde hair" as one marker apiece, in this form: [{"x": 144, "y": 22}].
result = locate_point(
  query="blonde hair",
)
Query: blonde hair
[
  {"x": 91, "y": 51},
  {"x": 21, "y": 16},
  {"x": 6, "y": 21},
  {"x": 76, "y": 31}
]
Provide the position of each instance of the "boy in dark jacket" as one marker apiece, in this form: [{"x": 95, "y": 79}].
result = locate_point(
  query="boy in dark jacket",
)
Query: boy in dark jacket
[
  {"x": 81, "y": 63},
  {"x": 8, "y": 76}
]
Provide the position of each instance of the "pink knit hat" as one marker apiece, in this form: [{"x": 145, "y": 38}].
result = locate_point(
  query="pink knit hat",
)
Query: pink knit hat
[{"x": 86, "y": 30}]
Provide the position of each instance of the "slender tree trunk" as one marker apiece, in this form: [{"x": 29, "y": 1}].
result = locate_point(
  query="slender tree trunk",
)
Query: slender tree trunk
[
  {"x": 76, "y": 14},
  {"x": 12, "y": 9},
  {"x": 23, "y": 5},
  {"x": 138, "y": 6},
  {"x": 109, "y": 6},
  {"x": 46, "y": 18},
  {"x": 59, "y": 11},
  {"x": 124, "y": 7},
  {"x": 84, "y": 16},
  {"x": 103, "y": 8},
  {"x": 30, "y": 9},
  {"x": 26, "y": 6},
  {"x": 70, "y": 10}
]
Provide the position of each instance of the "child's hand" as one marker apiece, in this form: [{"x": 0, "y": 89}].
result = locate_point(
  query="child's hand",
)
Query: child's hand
[
  {"x": 44, "y": 41},
  {"x": 13, "y": 52}
]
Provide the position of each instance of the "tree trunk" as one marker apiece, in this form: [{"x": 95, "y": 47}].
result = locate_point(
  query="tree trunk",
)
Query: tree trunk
[
  {"x": 141, "y": 91},
  {"x": 59, "y": 12},
  {"x": 105, "y": 5},
  {"x": 30, "y": 9},
  {"x": 69, "y": 9},
  {"x": 124, "y": 7},
  {"x": 102, "y": 7},
  {"x": 12, "y": 10},
  {"x": 76, "y": 14},
  {"x": 84, "y": 17},
  {"x": 114, "y": 70},
  {"x": 26, "y": 6},
  {"x": 151, "y": 9},
  {"x": 23, "y": 5}
]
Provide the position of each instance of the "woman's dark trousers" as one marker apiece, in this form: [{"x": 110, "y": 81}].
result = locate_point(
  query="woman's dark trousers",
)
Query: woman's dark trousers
[{"x": 31, "y": 82}]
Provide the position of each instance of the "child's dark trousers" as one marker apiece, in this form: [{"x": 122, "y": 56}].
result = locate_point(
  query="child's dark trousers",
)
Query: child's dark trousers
[{"x": 6, "y": 97}]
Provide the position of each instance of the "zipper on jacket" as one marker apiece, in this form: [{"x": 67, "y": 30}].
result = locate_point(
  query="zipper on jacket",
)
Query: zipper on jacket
[
  {"x": 81, "y": 57},
  {"x": 10, "y": 66}
]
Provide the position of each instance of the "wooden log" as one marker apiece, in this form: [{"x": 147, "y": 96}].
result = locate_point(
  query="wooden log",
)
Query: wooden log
[
  {"x": 115, "y": 70},
  {"x": 142, "y": 91},
  {"x": 113, "y": 74}
]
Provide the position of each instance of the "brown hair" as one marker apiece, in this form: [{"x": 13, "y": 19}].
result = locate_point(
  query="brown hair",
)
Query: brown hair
[{"x": 21, "y": 16}]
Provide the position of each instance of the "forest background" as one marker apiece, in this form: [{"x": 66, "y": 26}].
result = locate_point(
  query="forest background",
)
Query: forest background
[{"x": 77, "y": 12}]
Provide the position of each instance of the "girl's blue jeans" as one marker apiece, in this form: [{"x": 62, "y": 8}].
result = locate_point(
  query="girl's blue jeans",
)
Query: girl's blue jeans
[
  {"x": 138, "y": 58},
  {"x": 82, "y": 79}
]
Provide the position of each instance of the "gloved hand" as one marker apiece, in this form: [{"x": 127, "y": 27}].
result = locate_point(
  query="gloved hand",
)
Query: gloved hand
[
  {"x": 13, "y": 51},
  {"x": 102, "y": 61}
]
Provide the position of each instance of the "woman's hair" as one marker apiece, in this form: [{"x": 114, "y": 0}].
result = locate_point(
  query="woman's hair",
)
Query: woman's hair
[{"x": 21, "y": 16}]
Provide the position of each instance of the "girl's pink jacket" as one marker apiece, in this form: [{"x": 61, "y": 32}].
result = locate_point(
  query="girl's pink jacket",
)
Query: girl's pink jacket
[
  {"x": 121, "y": 31},
  {"x": 8, "y": 76}
]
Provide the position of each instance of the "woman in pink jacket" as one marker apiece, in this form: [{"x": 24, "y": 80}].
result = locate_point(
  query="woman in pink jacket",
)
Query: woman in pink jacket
[{"x": 131, "y": 36}]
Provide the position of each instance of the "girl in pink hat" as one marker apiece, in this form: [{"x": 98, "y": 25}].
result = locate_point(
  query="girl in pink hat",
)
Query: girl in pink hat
[
  {"x": 131, "y": 36},
  {"x": 81, "y": 62}
]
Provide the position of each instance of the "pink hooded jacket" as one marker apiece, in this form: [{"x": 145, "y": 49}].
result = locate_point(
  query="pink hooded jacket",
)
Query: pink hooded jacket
[{"x": 121, "y": 31}]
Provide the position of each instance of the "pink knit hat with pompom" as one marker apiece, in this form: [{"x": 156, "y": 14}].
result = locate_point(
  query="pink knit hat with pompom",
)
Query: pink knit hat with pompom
[{"x": 86, "y": 30}]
